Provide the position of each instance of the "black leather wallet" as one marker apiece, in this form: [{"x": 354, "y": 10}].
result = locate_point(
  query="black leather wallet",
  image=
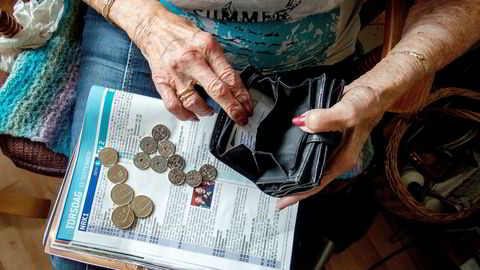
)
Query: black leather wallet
[{"x": 277, "y": 156}]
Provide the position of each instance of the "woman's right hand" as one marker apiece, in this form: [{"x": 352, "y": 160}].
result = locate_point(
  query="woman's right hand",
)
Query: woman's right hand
[{"x": 179, "y": 55}]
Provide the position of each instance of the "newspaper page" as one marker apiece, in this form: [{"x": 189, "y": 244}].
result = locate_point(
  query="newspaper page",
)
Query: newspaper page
[{"x": 224, "y": 224}]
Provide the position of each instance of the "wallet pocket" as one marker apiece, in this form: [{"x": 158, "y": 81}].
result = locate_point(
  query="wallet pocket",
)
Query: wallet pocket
[
  {"x": 276, "y": 134},
  {"x": 280, "y": 158}
]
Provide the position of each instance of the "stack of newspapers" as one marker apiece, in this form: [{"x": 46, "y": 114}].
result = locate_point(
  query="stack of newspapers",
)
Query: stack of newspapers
[{"x": 235, "y": 225}]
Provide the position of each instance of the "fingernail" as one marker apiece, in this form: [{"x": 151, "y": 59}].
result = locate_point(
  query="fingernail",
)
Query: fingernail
[
  {"x": 299, "y": 120},
  {"x": 195, "y": 119},
  {"x": 239, "y": 116},
  {"x": 278, "y": 206},
  {"x": 243, "y": 120},
  {"x": 249, "y": 109}
]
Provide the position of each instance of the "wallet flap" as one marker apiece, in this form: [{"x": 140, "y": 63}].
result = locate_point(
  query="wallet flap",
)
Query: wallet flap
[{"x": 281, "y": 159}]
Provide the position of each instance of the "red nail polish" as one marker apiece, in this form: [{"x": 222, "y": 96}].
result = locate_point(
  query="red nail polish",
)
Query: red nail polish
[{"x": 299, "y": 120}]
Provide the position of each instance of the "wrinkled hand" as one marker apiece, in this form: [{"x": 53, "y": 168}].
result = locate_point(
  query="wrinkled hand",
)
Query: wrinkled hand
[
  {"x": 180, "y": 54},
  {"x": 355, "y": 116}
]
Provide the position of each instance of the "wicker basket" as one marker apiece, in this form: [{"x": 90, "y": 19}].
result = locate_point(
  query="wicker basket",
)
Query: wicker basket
[{"x": 408, "y": 207}]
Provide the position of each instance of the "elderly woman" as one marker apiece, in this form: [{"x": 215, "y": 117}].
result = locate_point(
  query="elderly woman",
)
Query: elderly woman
[{"x": 164, "y": 47}]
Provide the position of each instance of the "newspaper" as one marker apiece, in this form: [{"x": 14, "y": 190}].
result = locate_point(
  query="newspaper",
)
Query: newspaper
[{"x": 232, "y": 226}]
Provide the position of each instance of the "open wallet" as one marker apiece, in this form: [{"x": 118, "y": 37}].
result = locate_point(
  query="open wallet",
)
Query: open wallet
[{"x": 280, "y": 158}]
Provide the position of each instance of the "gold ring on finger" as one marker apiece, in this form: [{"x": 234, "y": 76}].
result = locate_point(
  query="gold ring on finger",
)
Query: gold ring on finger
[{"x": 186, "y": 95}]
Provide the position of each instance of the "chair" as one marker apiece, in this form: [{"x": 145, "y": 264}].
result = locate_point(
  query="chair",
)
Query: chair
[{"x": 36, "y": 157}]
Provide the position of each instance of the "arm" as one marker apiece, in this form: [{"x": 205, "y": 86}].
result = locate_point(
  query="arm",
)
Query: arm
[
  {"x": 180, "y": 55},
  {"x": 438, "y": 30}
]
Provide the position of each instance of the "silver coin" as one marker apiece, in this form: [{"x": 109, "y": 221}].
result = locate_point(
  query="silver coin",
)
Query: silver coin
[
  {"x": 193, "y": 178},
  {"x": 142, "y": 206},
  {"x": 121, "y": 194},
  {"x": 160, "y": 132},
  {"x": 148, "y": 145},
  {"x": 209, "y": 173},
  {"x": 175, "y": 162},
  {"x": 117, "y": 174},
  {"x": 166, "y": 148},
  {"x": 158, "y": 164},
  {"x": 141, "y": 160},
  {"x": 123, "y": 217},
  {"x": 176, "y": 176},
  {"x": 108, "y": 156}
]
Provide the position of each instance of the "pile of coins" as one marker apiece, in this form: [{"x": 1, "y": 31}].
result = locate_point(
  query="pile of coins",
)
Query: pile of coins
[
  {"x": 167, "y": 159},
  {"x": 129, "y": 207}
]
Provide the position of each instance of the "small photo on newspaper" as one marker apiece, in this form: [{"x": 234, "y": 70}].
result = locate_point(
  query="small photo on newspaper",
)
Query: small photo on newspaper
[{"x": 143, "y": 189}]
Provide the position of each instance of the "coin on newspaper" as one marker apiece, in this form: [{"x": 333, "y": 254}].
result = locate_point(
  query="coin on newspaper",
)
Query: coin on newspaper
[
  {"x": 117, "y": 174},
  {"x": 141, "y": 160},
  {"x": 142, "y": 206},
  {"x": 160, "y": 132},
  {"x": 123, "y": 217},
  {"x": 148, "y": 145},
  {"x": 108, "y": 156},
  {"x": 193, "y": 178},
  {"x": 159, "y": 164},
  {"x": 175, "y": 162},
  {"x": 121, "y": 194},
  {"x": 176, "y": 177},
  {"x": 166, "y": 148},
  {"x": 208, "y": 172}
]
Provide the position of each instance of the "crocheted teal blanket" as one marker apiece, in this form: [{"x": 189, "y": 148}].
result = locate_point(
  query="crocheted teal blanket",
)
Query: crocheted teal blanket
[{"x": 36, "y": 101}]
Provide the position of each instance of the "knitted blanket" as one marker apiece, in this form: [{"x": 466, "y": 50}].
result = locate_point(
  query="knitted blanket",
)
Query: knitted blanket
[{"x": 36, "y": 101}]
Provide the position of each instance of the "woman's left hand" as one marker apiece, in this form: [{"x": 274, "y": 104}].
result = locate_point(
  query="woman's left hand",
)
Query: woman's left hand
[{"x": 355, "y": 116}]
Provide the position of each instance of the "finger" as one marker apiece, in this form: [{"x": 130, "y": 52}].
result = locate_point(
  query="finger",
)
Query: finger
[
  {"x": 293, "y": 199},
  {"x": 170, "y": 99},
  {"x": 218, "y": 90},
  {"x": 344, "y": 159},
  {"x": 194, "y": 103},
  {"x": 219, "y": 64},
  {"x": 337, "y": 118}
]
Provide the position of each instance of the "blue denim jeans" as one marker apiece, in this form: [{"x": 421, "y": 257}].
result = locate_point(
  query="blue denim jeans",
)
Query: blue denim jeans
[{"x": 111, "y": 59}]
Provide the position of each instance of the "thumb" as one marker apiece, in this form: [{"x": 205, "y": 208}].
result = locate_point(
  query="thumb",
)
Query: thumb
[{"x": 337, "y": 118}]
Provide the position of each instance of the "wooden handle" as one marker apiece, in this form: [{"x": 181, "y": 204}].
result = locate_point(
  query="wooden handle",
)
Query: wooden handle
[{"x": 9, "y": 26}]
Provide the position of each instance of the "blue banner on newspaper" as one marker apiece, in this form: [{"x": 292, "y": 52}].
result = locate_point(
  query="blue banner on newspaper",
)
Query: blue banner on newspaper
[
  {"x": 92, "y": 186},
  {"x": 84, "y": 167}
]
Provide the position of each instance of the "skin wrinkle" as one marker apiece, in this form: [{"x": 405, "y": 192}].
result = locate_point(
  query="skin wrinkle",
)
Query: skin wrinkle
[{"x": 439, "y": 30}]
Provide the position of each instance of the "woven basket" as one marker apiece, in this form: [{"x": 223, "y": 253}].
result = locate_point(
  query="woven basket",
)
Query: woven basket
[{"x": 408, "y": 207}]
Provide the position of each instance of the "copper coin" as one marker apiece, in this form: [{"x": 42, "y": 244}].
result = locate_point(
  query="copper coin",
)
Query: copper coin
[
  {"x": 117, "y": 174},
  {"x": 121, "y": 194},
  {"x": 142, "y": 206},
  {"x": 108, "y": 156},
  {"x": 123, "y": 217}
]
